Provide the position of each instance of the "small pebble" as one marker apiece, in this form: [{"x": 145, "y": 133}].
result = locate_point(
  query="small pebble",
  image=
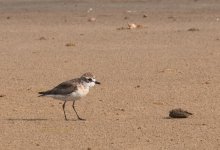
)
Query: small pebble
[
  {"x": 122, "y": 109},
  {"x": 193, "y": 29},
  {"x": 2, "y": 95},
  {"x": 179, "y": 113},
  {"x": 144, "y": 16},
  {"x": 92, "y": 19},
  {"x": 69, "y": 44},
  {"x": 138, "y": 86},
  {"x": 89, "y": 10},
  {"x": 42, "y": 38}
]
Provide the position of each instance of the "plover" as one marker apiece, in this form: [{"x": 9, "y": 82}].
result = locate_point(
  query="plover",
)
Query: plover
[{"x": 72, "y": 90}]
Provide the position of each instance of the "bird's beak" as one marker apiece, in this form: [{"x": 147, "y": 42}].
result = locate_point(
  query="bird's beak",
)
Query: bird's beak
[{"x": 96, "y": 82}]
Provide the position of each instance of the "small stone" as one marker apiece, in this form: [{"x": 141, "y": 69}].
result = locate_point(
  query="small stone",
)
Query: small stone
[
  {"x": 144, "y": 16},
  {"x": 2, "y": 95},
  {"x": 179, "y": 113},
  {"x": 89, "y": 10},
  {"x": 193, "y": 29},
  {"x": 138, "y": 86},
  {"x": 92, "y": 19},
  {"x": 121, "y": 28},
  {"x": 42, "y": 38},
  {"x": 70, "y": 44},
  {"x": 132, "y": 26},
  {"x": 207, "y": 82}
]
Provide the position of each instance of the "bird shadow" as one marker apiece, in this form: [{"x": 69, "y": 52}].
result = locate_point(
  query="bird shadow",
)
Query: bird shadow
[
  {"x": 26, "y": 119},
  {"x": 41, "y": 119},
  {"x": 75, "y": 120}
]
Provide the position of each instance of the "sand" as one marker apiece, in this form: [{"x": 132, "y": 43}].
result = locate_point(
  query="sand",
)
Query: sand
[{"x": 171, "y": 61}]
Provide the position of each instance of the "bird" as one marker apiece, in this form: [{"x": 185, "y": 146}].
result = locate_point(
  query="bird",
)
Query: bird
[{"x": 72, "y": 90}]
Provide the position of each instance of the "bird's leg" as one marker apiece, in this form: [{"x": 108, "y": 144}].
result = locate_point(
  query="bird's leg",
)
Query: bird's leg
[
  {"x": 64, "y": 110},
  {"x": 76, "y": 112}
]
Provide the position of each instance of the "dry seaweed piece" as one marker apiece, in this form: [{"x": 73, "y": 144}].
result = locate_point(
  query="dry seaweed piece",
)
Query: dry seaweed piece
[{"x": 179, "y": 113}]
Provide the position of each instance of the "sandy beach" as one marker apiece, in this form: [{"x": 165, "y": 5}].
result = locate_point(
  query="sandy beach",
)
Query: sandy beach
[{"x": 171, "y": 60}]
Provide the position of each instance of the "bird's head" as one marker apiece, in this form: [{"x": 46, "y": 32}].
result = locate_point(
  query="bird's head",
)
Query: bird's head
[{"x": 89, "y": 79}]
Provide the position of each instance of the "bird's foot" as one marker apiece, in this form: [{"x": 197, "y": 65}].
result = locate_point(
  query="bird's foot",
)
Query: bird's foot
[{"x": 81, "y": 119}]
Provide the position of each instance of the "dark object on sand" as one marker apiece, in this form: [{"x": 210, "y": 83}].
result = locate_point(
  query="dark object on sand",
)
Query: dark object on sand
[
  {"x": 179, "y": 113},
  {"x": 193, "y": 29},
  {"x": 1, "y": 95}
]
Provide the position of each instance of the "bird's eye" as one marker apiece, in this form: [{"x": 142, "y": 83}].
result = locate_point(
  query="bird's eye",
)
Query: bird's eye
[{"x": 90, "y": 79}]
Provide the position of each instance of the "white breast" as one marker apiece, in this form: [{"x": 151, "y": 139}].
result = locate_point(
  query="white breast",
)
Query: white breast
[{"x": 82, "y": 91}]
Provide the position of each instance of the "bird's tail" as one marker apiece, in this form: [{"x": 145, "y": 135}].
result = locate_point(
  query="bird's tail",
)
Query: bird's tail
[{"x": 41, "y": 94}]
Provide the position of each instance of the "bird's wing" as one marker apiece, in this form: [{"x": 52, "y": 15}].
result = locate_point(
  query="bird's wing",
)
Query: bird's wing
[{"x": 64, "y": 88}]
